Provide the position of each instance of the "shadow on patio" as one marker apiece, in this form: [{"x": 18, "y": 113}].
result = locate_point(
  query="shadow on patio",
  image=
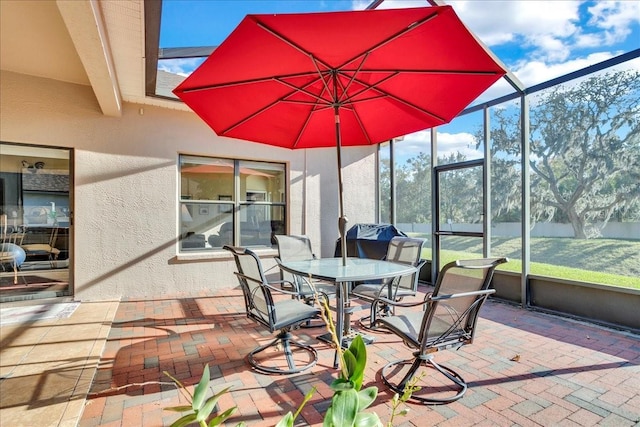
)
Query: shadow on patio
[{"x": 524, "y": 368}]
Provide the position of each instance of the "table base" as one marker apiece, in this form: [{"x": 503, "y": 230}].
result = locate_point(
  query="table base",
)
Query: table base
[{"x": 346, "y": 340}]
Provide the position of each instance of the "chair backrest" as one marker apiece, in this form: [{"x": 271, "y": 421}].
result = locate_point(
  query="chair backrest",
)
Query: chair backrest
[
  {"x": 406, "y": 250},
  {"x": 257, "y": 298},
  {"x": 293, "y": 248},
  {"x": 16, "y": 238},
  {"x": 461, "y": 289},
  {"x": 53, "y": 236}
]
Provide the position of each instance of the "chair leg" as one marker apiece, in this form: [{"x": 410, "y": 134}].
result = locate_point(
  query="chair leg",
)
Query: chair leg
[
  {"x": 460, "y": 386},
  {"x": 284, "y": 338},
  {"x": 369, "y": 322}
]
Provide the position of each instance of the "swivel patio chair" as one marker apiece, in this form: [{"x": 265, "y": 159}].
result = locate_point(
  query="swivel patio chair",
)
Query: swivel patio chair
[
  {"x": 298, "y": 248},
  {"x": 448, "y": 320},
  {"x": 282, "y": 315},
  {"x": 403, "y": 250}
]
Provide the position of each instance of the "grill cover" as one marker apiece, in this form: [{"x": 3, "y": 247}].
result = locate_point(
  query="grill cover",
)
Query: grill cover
[{"x": 368, "y": 240}]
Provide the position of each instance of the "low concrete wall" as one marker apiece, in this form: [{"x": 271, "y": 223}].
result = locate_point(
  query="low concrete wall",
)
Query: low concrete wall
[
  {"x": 609, "y": 305},
  {"x": 602, "y": 304},
  {"x": 613, "y": 230}
]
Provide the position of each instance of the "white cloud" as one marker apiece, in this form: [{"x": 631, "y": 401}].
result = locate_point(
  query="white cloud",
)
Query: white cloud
[
  {"x": 448, "y": 143},
  {"x": 452, "y": 143},
  {"x": 414, "y": 144},
  {"x": 182, "y": 67},
  {"x": 615, "y": 18},
  {"x": 534, "y": 72}
]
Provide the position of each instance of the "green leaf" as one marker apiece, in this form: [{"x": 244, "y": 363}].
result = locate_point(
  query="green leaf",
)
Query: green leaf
[
  {"x": 220, "y": 418},
  {"x": 350, "y": 363},
  {"x": 344, "y": 407},
  {"x": 201, "y": 389},
  {"x": 367, "y": 397},
  {"x": 186, "y": 420},
  {"x": 359, "y": 352},
  {"x": 286, "y": 421},
  {"x": 210, "y": 404},
  {"x": 183, "y": 408},
  {"x": 326, "y": 422},
  {"x": 367, "y": 420},
  {"x": 341, "y": 384},
  {"x": 307, "y": 397},
  {"x": 207, "y": 408}
]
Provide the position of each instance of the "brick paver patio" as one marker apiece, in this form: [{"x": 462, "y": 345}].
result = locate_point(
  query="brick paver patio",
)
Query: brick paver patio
[{"x": 524, "y": 369}]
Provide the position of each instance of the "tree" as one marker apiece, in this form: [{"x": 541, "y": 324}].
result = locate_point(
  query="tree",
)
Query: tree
[
  {"x": 413, "y": 189},
  {"x": 585, "y": 151}
]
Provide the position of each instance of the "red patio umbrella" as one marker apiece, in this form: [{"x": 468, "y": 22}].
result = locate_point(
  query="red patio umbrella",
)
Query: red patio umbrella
[{"x": 339, "y": 78}]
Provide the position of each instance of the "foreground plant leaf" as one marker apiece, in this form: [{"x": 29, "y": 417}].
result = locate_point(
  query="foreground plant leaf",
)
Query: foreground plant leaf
[
  {"x": 367, "y": 420},
  {"x": 344, "y": 408},
  {"x": 208, "y": 407},
  {"x": 201, "y": 389},
  {"x": 216, "y": 421},
  {"x": 366, "y": 397},
  {"x": 184, "y": 421}
]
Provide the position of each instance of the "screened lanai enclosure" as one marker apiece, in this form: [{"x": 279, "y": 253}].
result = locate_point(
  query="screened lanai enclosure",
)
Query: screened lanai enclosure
[{"x": 548, "y": 176}]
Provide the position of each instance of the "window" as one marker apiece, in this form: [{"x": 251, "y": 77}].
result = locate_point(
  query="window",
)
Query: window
[{"x": 230, "y": 202}]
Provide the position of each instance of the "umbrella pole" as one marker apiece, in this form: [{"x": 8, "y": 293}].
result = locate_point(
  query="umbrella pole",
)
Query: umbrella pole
[{"x": 342, "y": 220}]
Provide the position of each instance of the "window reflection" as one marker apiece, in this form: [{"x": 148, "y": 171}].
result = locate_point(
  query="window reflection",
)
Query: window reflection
[{"x": 230, "y": 202}]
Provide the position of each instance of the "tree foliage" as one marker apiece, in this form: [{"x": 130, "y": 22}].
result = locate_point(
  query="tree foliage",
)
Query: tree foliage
[
  {"x": 585, "y": 152},
  {"x": 584, "y": 159}
]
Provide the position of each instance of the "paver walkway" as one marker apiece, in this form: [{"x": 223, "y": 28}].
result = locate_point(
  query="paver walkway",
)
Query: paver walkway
[
  {"x": 47, "y": 366},
  {"x": 524, "y": 369}
]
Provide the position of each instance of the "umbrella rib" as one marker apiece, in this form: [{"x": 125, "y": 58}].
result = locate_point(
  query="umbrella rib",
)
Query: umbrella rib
[
  {"x": 303, "y": 90},
  {"x": 391, "y": 38},
  {"x": 281, "y": 99},
  {"x": 289, "y": 42},
  {"x": 434, "y": 71},
  {"x": 245, "y": 82}
]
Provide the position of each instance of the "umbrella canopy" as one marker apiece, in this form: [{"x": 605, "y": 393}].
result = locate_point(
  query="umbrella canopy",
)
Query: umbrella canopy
[{"x": 339, "y": 78}]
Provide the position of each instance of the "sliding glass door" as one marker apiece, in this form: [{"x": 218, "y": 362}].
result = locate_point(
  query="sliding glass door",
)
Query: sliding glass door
[{"x": 35, "y": 219}]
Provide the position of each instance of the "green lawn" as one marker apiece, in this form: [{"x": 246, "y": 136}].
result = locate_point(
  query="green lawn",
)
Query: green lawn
[{"x": 605, "y": 261}]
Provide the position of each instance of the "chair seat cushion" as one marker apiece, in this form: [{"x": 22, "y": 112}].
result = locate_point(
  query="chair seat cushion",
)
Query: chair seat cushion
[
  {"x": 408, "y": 325},
  {"x": 40, "y": 248},
  {"x": 290, "y": 312},
  {"x": 371, "y": 291},
  {"x": 326, "y": 288}
]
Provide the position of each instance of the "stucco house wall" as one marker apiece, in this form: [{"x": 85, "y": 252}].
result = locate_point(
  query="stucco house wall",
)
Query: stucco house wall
[{"x": 125, "y": 188}]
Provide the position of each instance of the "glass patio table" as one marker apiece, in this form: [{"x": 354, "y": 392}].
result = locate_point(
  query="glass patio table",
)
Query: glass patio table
[{"x": 355, "y": 270}]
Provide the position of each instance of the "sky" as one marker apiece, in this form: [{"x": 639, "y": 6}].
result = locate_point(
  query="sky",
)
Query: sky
[{"x": 536, "y": 40}]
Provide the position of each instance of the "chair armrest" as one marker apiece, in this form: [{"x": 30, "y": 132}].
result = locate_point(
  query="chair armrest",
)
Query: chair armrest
[
  {"x": 463, "y": 294},
  {"x": 270, "y": 286},
  {"x": 394, "y": 303}
]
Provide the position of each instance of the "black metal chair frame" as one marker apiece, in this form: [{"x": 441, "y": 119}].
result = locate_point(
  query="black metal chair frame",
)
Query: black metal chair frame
[
  {"x": 394, "y": 289},
  {"x": 282, "y": 315},
  {"x": 308, "y": 290},
  {"x": 429, "y": 331}
]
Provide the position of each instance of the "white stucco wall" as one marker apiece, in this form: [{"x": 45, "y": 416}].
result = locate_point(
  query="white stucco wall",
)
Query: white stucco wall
[{"x": 125, "y": 188}]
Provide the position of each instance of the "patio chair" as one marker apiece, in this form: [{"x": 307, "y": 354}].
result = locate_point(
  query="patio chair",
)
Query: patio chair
[
  {"x": 448, "y": 320},
  {"x": 282, "y": 315},
  {"x": 403, "y": 250},
  {"x": 47, "y": 250},
  {"x": 298, "y": 248}
]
